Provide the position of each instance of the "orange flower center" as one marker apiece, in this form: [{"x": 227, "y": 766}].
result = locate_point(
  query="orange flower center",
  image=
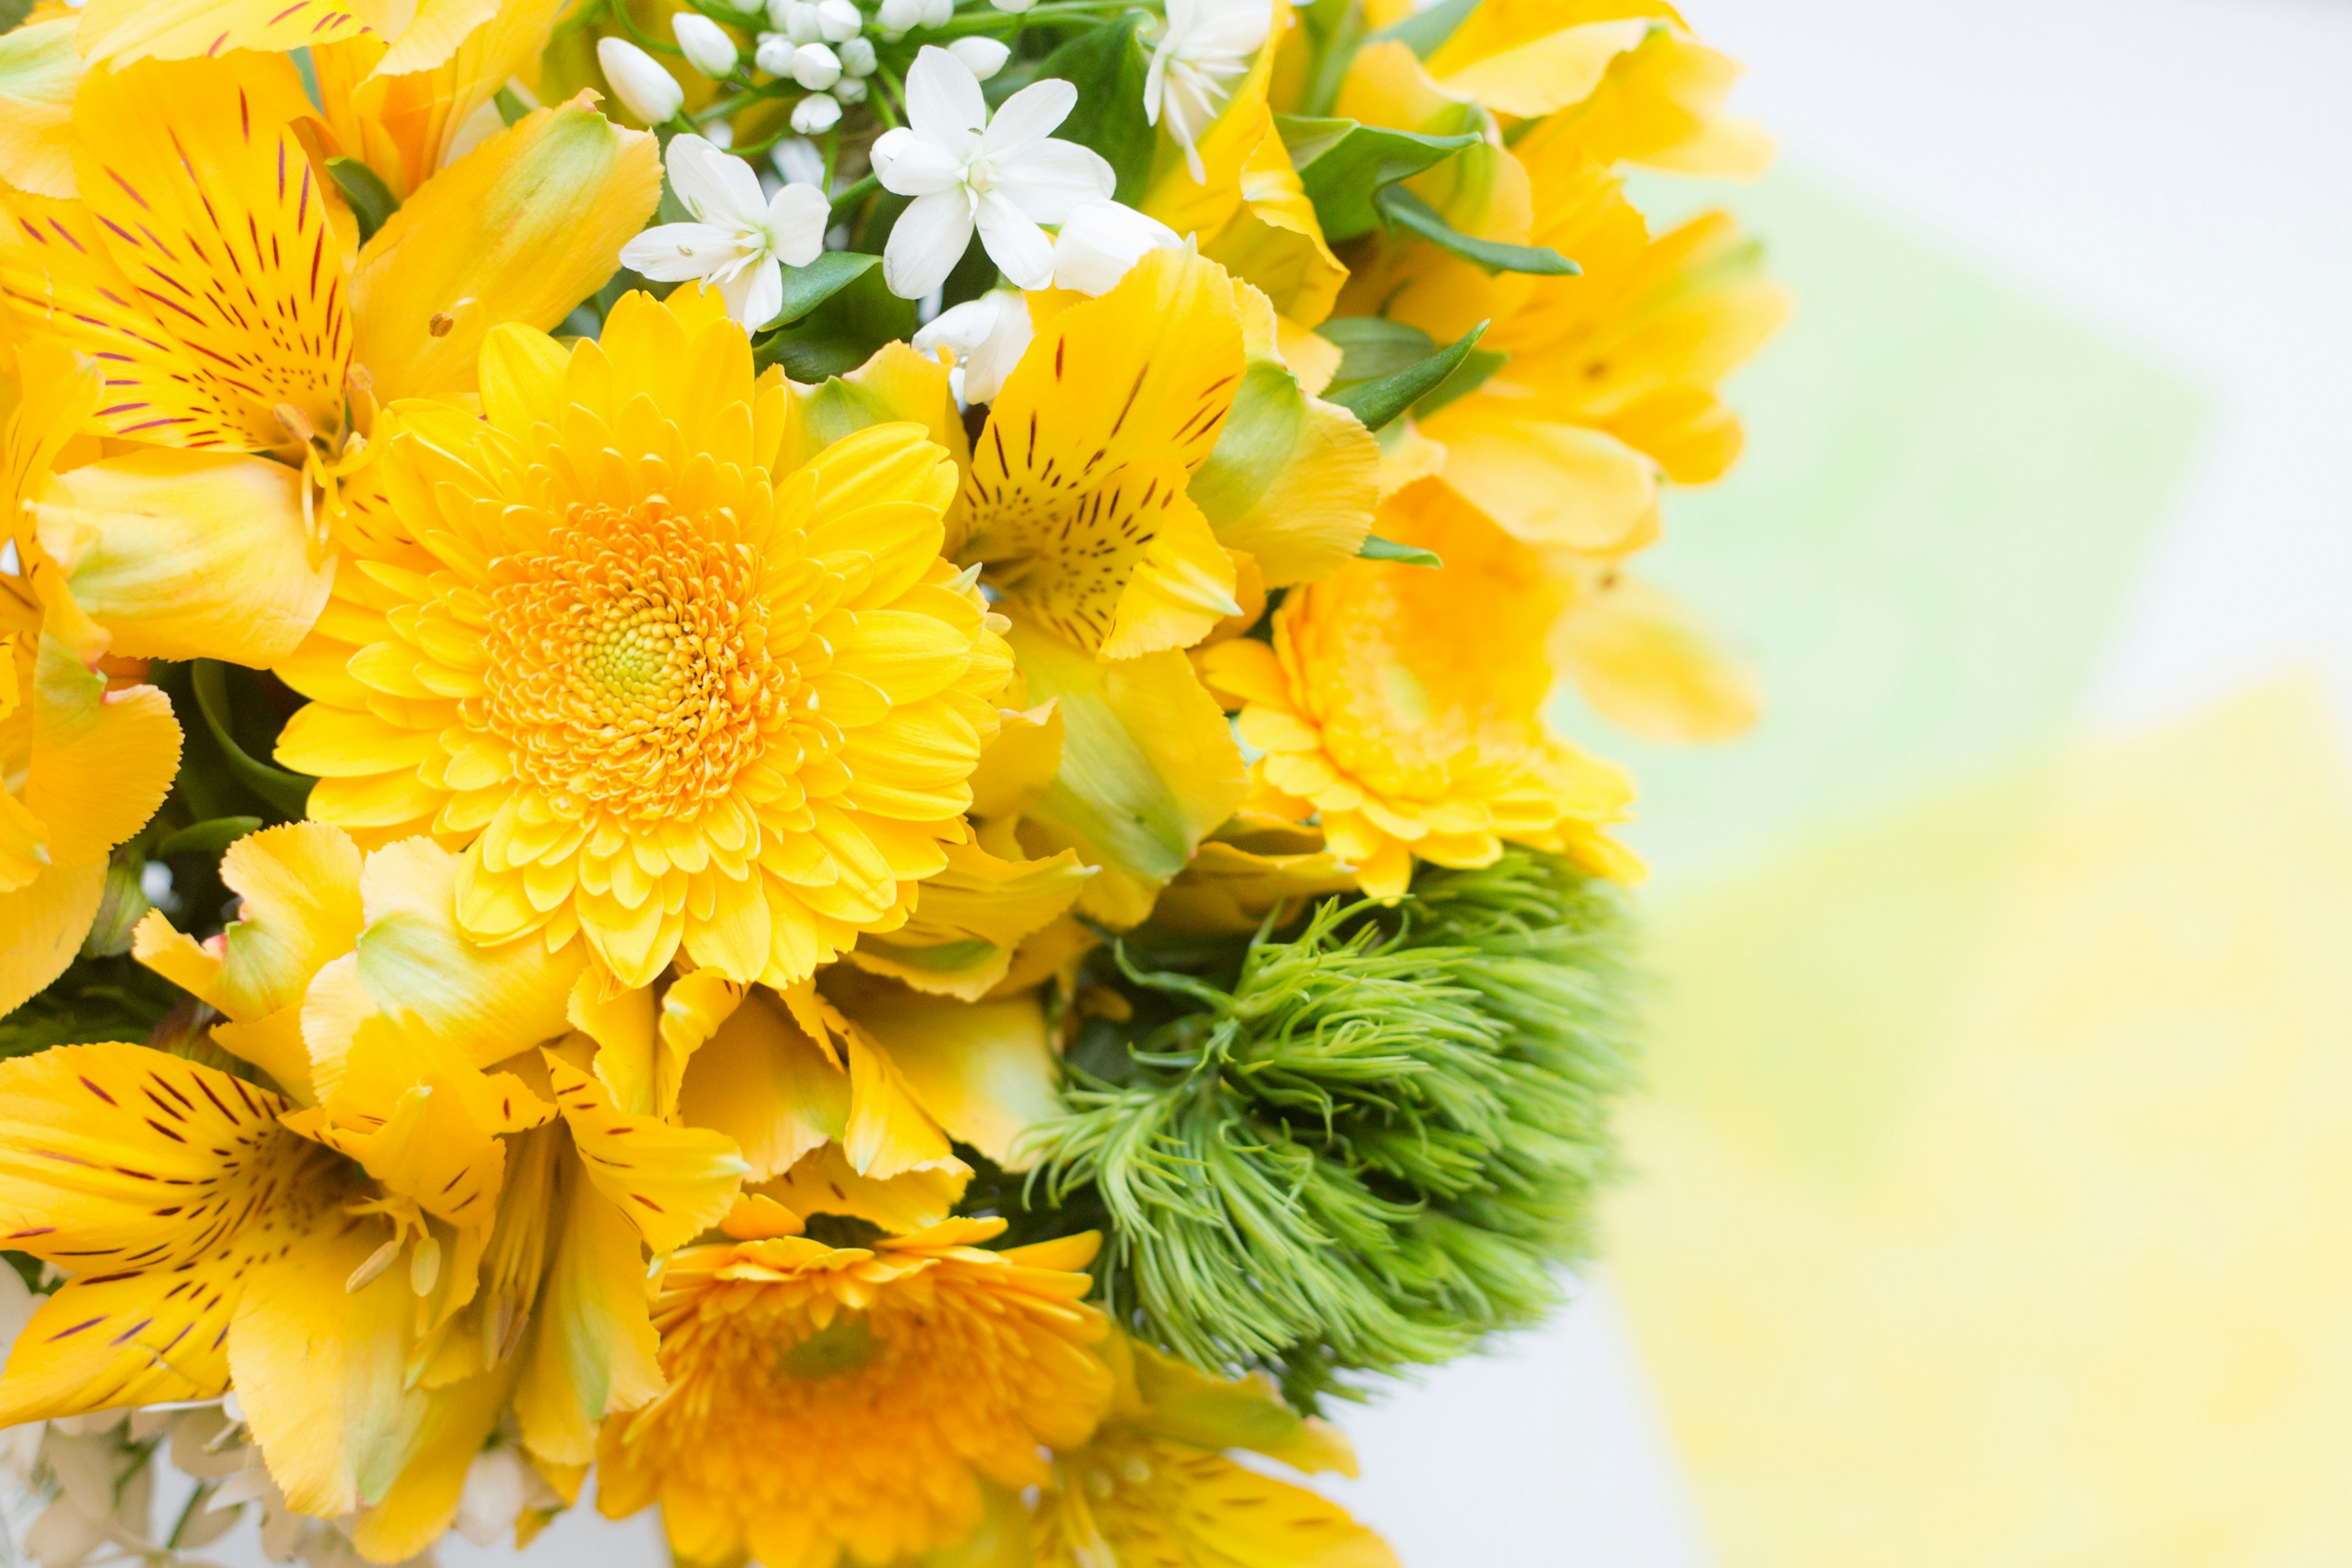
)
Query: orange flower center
[{"x": 632, "y": 668}]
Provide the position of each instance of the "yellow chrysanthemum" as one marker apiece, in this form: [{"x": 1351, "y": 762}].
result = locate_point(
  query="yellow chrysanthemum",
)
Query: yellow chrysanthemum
[
  {"x": 1154, "y": 1489},
  {"x": 1404, "y": 705},
  {"x": 667, "y": 695},
  {"x": 830, "y": 1403},
  {"x": 86, "y": 751}
]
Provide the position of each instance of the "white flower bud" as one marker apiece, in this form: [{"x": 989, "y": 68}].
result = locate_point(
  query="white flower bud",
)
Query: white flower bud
[
  {"x": 857, "y": 56},
  {"x": 1015, "y": 6},
  {"x": 938, "y": 12},
  {"x": 644, "y": 90},
  {"x": 705, "y": 43},
  {"x": 838, "y": 20},
  {"x": 721, "y": 136},
  {"x": 798, "y": 160},
  {"x": 899, "y": 15},
  {"x": 774, "y": 54},
  {"x": 778, "y": 11},
  {"x": 850, "y": 90},
  {"x": 816, "y": 67},
  {"x": 802, "y": 24},
  {"x": 815, "y": 114},
  {"x": 983, "y": 56}
]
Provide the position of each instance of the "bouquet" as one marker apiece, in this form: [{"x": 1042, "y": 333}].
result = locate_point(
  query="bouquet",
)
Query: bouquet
[{"x": 799, "y": 755}]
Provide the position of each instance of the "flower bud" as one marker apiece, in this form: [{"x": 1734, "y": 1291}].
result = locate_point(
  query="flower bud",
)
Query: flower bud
[
  {"x": 1015, "y": 6},
  {"x": 802, "y": 24},
  {"x": 798, "y": 160},
  {"x": 850, "y": 90},
  {"x": 779, "y": 11},
  {"x": 644, "y": 90},
  {"x": 983, "y": 56},
  {"x": 838, "y": 20},
  {"x": 705, "y": 44},
  {"x": 774, "y": 54},
  {"x": 938, "y": 12},
  {"x": 816, "y": 67},
  {"x": 857, "y": 56},
  {"x": 815, "y": 114},
  {"x": 899, "y": 15}
]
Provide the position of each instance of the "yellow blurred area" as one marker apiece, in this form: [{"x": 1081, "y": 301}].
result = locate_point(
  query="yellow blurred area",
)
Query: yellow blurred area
[{"x": 1993, "y": 1201}]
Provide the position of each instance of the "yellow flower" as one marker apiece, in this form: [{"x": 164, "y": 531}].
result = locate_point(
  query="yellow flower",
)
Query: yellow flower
[
  {"x": 668, "y": 696},
  {"x": 479, "y": 1244},
  {"x": 86, "y": 753},
  {"x": 829, "y": 1403},
  {"x": 1404, "y": 705},
  {"x": 1155, "y": 1486},
  {"x": 1646, "y": 663},
  {"x": 421, "y": 33},
  {"x": 197, "y": 200}
]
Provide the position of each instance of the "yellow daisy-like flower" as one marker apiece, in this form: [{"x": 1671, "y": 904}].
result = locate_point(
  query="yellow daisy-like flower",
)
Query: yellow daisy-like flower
[
  {"x": 666, "y": 694},
  {"x": 828, "y": 1401},
  {"x": 1154, "y": 1489},
  {"x": 1404, "y": 707}
]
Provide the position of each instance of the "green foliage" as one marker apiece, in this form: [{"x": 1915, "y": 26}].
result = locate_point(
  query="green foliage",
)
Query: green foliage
[
  {"x": 108, "y": 998},
  {"x": 1424, "y": 31},
  {"x": 1344, "y": 166},
  {"x": 1334, "y": 31},
  {"x": 1381, "y": 399},
  {"x": 1375, "y": 548},
  {"x": 1109, "y": 113},
  {"x": 1365, "y": 1147},
  {"x": 860, "y": 316},
  {"x": 1407, "y": 211},
  {"x": 806, "y": 288},
  {"x": 286, "y": 793},
  {"x": 371, "y": 199}
]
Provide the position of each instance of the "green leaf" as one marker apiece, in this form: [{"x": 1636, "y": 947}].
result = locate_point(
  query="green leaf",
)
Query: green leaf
[
  {"x": 1345, "y": 167},
  {"x": 511, "y": 107},
  {"x": 1110, "y": 114},
  {"x": 1424, "y": 31},
  {"x": 858, "y": 317},
  {"x": 1378, "y": 401},
  {"x": 207, "y": 837},
  {"x": 1468, "y": 377},
  {"x": 371, "y": 200},
  {"x": 1334, "y": 31},
  {"x": 1373, "y": 346},
  {"x": 289, "y": 793},
  {"x": 1411, "y": 212},
  {"x": 1378, "y": 549},
  {"x": 806, "y": 288}
]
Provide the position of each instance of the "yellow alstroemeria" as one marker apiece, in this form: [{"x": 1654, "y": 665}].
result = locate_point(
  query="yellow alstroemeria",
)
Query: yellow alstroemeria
[
  {"x": 86, "y": 751},
  {"x": 808, "y": 1422},
  {"x": 1155, "y": 1486},
  {"x": 1403, "y": 706},
  {"x": 1252, "y": 865},
  {"x": 420, "y": 34},
  {"x": 198, "y": 196},
  {"x": 496, "y": 1184},
  {"x": 846, "y": 1102},
  {"x": 669, "y": 695},
  {"x": 1646, "y": 663},
  {"x": 1610, "y": 387},
  {"x": 38, "y": 69}
]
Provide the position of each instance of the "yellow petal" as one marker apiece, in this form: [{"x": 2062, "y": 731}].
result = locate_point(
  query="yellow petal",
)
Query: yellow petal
[
  {"x": 592, "y": 1347},
  {"x": 1148, "y": 768},
  {"x": 38, "y": 70},
  {"x": 46, "y": 921},
  {"x": 983, "y": 1070},
  {"x": 763, "y": 1081},
  {"x": 192, "y": 554},
  {"x": 1202, "y": 206},
  {"x": 1650, "y": 665},
  {"x": 1019, "y": 765},
  {"x": 299, "y": 886},
  {"x": 825, "y": 1181},
  {"x": 99, "y": 762},
  {"x": 889, "y": 1133},
  {"x": 671, "y": 1182},
  {"x": 1503, "y": 57},
  {"x": 970, "y": 917},
  {"x": 1275, "y": 242},
  {"x": 120, "y": 31},
  {"x": 162, "y": 1184},
  {"x": 520, "y": 229},
  {"x": 417, "y": 1509},
  {"x": 1547, "y": 484}
]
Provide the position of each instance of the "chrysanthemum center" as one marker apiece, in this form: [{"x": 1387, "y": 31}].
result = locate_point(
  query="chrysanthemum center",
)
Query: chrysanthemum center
[{"x": 630, "y": 663}]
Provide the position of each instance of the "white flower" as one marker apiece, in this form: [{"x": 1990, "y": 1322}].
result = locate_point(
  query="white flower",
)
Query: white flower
[
  {"x": 796, "y": 158},
  {"x": 837, "y": 21},
  {"x": 802, "y": 24},
  {"x": 705, "y": 44},
  {"x": 774, "y": 54},
  {"x": 899, "y": 15},
  {"x": 850, "y": 90},
  {"x": 1100, "y": 241},
  {"x": 857, "y": 56},
  {"x": 938, "y": 12},
  {"x": 1006, "y": 176},
  {"x": 988, "y": 335},
  {"x": 816, "y": 114},
  {"x": 814, "y": 67},
  {"x": 644, "y": 90},
  {"x": 738, "y": 243},
  {"x": 780, "y": 12},
  {"x": 1204, "y": 48},
  {"x": 986, "y": 57}
]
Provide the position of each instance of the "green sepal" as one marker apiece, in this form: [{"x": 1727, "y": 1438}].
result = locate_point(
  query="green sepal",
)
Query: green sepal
[
  {"x": 1378, "y": 402},
  {"x": 1110, "y": 114},
  {"x": 1378, "y": 549},
  {"x": 1468, "y": 377},
  {"x": 1345, "y": 166},
  {"x": 372, "y": 201},
  {"x": 1407, "y": 210},
  {"x": 208, "y": 837},
  {"x": 858, "y": 317},
  {"x": 289, "y": 792}
]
